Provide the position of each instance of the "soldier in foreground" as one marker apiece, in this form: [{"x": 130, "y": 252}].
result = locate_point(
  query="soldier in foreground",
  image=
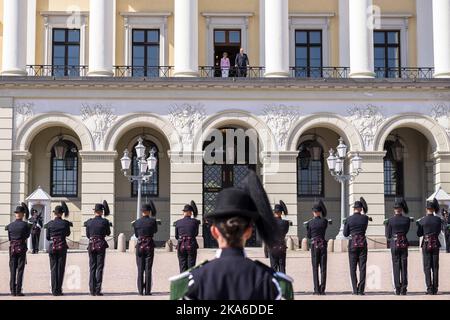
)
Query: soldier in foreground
[
  {"x": 144, "y": 230},
  {"x": 18, "y": 233},
  {"x": 232, "y": 276},
  {"x": 186, "y": 231},
  {"x": 356, "y": 226},
  {"x": 277, "y": 253},
  {"x": 429, "y": 227},
  {"x": 397, "y": 228},
  {"x": 315, "y": 232},
  {"x": 57, "y": 231},
  {"x": 446, "y": 218},
  {"x": 97, "y": 229},
  {"x": 36, "y": 221}
]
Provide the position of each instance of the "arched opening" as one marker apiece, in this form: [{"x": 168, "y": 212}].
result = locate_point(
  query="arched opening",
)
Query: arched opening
[
  {"x": 408, "y": 173},
  {"x": 229, "y": 153},
  {"x": 314, "y": 181},
  {"x": 156, "y": 189}
]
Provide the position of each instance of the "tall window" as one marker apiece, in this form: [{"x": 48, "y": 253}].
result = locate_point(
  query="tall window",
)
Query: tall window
[
  {"x": 387, "y": 53},
  {"x": 149, "y": 188},
  {"x": 308, "y": 53},
  {"x": 393, "y": 171},
  {"x": 145, "y": 52},
  {"x": 310, "y": 165},
  {"x": 64, "y": 172},
  {"x": 66, "y": 52}
]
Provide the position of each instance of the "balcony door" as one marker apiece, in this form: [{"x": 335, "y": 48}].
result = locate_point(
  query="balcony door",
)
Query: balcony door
[{"x": 229, "y": 41}]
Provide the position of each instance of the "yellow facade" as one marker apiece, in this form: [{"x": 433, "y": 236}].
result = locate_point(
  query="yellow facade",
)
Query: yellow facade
[{"x": 388, "y": 7}]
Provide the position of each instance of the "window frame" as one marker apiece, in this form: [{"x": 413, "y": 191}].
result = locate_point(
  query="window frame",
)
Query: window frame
[
  {"x": 386, "y": 45},
  {"x": 322, "y": 168},
  {"x": 66, "y": 44},
  {"x": 145, "y": 45},
  {"x": 308, "y": 47},
  {"x": 399, "y": 168},
  {"x": 52, "y": 156}
]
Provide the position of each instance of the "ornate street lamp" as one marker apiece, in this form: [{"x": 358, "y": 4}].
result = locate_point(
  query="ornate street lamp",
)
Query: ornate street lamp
[
  {"x": 336, "y": 166},
  {"x": 146, "y": 167},
  {"x": 397, "y": 150},
  {"x": 304, "y": 157},
  {"x": 60, "y": 149}
]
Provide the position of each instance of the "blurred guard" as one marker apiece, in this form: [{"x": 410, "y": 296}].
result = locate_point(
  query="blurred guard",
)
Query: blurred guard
[
  {"x": 356, "y": 226},
  {"x": 232, "y": 276},
  {"x": 277, "y": 252},
  {"x": 144, "y": 230},
  {"x": 36, "y": 221},
  {"x": 97, "y": 229},
  {"x": 57, "y": 231},
  {"x": 397, "y": 228},
  {"x": 315, "y": 230},
  {"x": 186, "y": 231},
  {"x": 18, "y": 233},
  {"x": 429, "y": 227}
]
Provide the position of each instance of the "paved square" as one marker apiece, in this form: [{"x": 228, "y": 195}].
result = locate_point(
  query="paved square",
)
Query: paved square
[{"x": 120, "y": 275}]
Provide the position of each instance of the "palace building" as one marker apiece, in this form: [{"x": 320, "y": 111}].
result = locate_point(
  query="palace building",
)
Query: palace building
[{"x": 83, "y": 80}]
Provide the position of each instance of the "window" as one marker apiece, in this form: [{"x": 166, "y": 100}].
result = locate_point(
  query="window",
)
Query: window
[
  {"x": 145, "y": 55},
  {"x": 308, "y": 53},
  {"x": 310, "y": 164},
  {"x": 149, "y": 188},
  {"x": 387, "y": 53},
  {"x": 64, "y": 172},
  {"x": 66, "y": 52},
  {"x": 393, "y": 172}
]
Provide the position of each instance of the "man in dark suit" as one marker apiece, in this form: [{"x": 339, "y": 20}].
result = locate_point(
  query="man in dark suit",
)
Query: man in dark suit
[{"x": 241, "y": 63}]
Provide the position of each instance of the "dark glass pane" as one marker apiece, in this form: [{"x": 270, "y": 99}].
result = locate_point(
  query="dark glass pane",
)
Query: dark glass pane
[
  {"x": 59, "y": 52},
  {"x": 315, "y": 37},
  {"x": 379, "y": 53},
  {"x": 74, "y": 36},
  {"x": 301, "y": 37},
  {"x": 153, "y": 56},
  {"x": 393, "y": 37},
  {"x": 64, "y": 181},
  {"x": 315, "y": 53},
  {"x": 138, "y": 55},
  {"x": 219, "y": 36},
  {"x": 301, "y": 54},
  {"x": 378, "y": 37},
  {"x": 235, "y": 36},
  {"x": 138, "y": 35},
  {"x": 73, "y": 55},
  {"x": 310, "y": 179},
  {"x": 153, "y": 36},
  {"x": 393, "y": 53},
  {"x": 59, "y": 35}
]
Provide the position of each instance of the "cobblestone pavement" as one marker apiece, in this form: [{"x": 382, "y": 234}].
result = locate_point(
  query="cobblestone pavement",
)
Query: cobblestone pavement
[{"x": 120, "y": 275}]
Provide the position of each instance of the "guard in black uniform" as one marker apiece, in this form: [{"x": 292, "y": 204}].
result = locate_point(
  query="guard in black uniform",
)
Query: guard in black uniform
[
  {"x": 186, "y": 231},
  {"x": 429, "y": 227},
  {"x": 57, "y": 231},
  {"x": 315, "y": 232},
  {"x": 356, "y": 226},
  {"x": 18, "y": 233},
  {"x": 37, "y": 224},
  {"x": 144, "y": 229},
  {"x": 232, "y": 276},
  {"x": 277, "y": 253},
  {"x": 445, "y": 216},
  {"x": 97, "y": 229},
  {"x": 397, "y": 228}
]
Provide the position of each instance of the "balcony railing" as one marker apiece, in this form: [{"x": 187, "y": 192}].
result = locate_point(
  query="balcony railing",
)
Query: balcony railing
[
  {"x": 233, "y": 72},
  {"x": 57, "y": 71}
]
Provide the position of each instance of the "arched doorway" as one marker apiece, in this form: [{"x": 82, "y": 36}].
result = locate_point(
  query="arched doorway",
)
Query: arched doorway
[
  {"x": 156, "y": 189},
  {"x": 408, "y": 173},
  {"x": 233, "y": 153}
]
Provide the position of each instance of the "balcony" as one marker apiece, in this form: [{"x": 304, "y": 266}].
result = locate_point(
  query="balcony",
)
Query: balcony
[{"x": 234, "y": 73}]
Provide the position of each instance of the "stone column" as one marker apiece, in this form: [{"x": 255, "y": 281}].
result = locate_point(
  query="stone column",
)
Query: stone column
[
  {"x": 97, "y": 184},
  {"x": 186, "y": 184},
  {"x": 441, "y": 38},
  {"x": 101, "y": 38},
  {"x": 186, "y": 38},
  {"x": 442, "y": 170},
  {"x": 370, "y": 185},
  {"x": 6, "y": 125},
  {"x": 344, "y": 31},
  {"x": 276, "y": 38},
  {"x": 424, "y": 12},
  {"x": 14, "y": 38},
  {"x": 280, "y": 181},
  {"x": 361, "y": 39}
]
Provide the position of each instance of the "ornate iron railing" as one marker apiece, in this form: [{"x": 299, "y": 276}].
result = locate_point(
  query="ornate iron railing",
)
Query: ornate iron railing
[
  {"x": 57, "y": 71},
  {"x": 147, "y": 72},
  {"x": 405, "y": 73},
  {"x": 232, "y": 72},
  {"x": 319, "y": 72}
]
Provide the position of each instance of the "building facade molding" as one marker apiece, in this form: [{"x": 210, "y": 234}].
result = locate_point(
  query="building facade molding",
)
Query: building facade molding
[
  {"x": 280, "y": 119},
  {"x": 366, "y": 119},
  {"x": 98, "y": 118}
]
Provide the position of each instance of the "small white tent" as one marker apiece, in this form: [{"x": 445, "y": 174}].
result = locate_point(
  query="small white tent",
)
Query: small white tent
[{"x": 42, "y": 202}]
